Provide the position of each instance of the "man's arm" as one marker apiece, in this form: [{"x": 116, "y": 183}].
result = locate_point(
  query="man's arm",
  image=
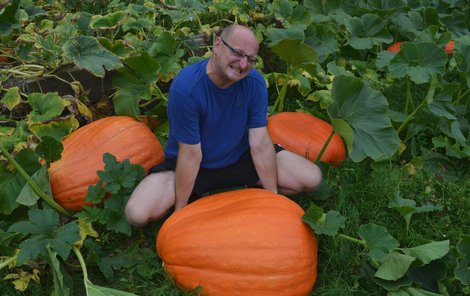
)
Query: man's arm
[
  {"x": 187, "y": 167},
  {"x": 264, "y": 157}
]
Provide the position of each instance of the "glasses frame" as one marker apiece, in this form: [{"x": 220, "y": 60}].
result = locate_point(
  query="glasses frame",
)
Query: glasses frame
[{"x": 252, "y": 60}]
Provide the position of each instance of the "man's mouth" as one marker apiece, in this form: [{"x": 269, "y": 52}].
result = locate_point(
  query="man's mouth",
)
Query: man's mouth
[{"x": 236, "y": 69}]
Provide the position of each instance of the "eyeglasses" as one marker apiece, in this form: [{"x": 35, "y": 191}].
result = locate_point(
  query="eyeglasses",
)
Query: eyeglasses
[{"x": 239, "y": 54}]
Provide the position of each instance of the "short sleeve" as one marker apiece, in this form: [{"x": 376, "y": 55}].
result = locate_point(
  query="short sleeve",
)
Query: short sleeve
[
  {"x": 184, "y": 118},
  {"x": 259, "y": 103}
]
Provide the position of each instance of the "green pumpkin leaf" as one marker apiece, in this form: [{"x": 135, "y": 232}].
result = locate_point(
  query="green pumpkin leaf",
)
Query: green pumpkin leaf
[
  {"x": 9, "y": 18},
  {"x": 321, "y": 223},
  {"x": 45, "y": 106},
  {"x": 49, "y": 148},
  {"x": 62, "y": 281},
  {"x": 367, "y": 31},
  {"x": 55, "y": 129},
  {"x": 395, "y": 266},
  {"x": 322, "y": 39},
  {"x": 12, "y": 98},
  {"x": 27, "y": 195},
  {"x": 10, "y": 186},
  {"x": 166, "y": 50},
  {"x": 378, "y": 240},
  {"x": 109, "y": 21},
  {"x": 428, "y": 252},
  {"x": 462, "y": 271},
  {"x": 295, "y": 52},
  {"x": 420, "y": 61},
  {"x": 43, "y": 226},
  {"x": 134, "y": 83},
  {"x": 293, "y": 32},
  {"x": 87, "y": 53},
  {"x": 359, "y": 115}
]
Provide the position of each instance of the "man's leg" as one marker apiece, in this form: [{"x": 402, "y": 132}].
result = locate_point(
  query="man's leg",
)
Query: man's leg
[
  {"x": 152, "y": 199},
  {"x": 296, "y": 174}
]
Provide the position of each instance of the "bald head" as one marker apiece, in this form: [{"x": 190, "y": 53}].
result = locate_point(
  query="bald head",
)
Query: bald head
[{"x": 234, "y": 30}]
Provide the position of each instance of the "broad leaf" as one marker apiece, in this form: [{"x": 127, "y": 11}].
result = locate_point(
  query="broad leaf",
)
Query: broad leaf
[
  {"x": 87, "y": 53},
  {"x": 57, "y": 129},
  {"x": 411, "y": 291},
  {"x": 359, "y": 115},
  {"x": 462, "y": 56},
  {"x": 277, "y": 35},
  {"x": 108, "y": 21},
  {"x": 45, "y": 106},
  {"x": 27, "y": 195},
  {"x": 420, "y": 61},
  {"x": 295, "y": 52},
  {"x": 367, "y": 31},
  {"x": 12, "y": 98},
  {"x": 43, "y": 226},
  {"x": 321, "y": 223},
  {"x": 12, "y": 183},
  {"x": 49, "y": 149},
  {"x": 378, "y": 240},
  {"x": 322, "y": 38},
  {"x": 462, "y": 271},
  {"x": 428, "y": 252},
  {"x": 395, "y": 266},
  {"x": 9, "y": 19},
  {"x": 134, "y": 83},
  {"x": 62, "y": 281},
  {"x": 166, "y": 50}
]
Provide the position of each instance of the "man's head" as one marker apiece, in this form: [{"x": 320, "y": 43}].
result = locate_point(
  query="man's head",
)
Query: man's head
[{"x": 234, "y": 53}]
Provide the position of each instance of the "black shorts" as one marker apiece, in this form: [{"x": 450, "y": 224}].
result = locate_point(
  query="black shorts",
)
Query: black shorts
[{"x": 240, "y": 174}]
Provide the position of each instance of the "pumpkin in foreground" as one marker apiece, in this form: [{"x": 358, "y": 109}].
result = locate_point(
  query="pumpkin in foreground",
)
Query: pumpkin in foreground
[
  {"x": 242, "y": 242},
  {"x": 305, "y": 135},
  {"x": 122, "y": 136}
]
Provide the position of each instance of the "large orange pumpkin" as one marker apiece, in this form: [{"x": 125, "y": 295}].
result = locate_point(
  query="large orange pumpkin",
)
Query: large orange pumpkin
[
  {"x": 122, "y": 136},
  {"x": 305, "y": 135},
  {"x": 249, "y": 242}
]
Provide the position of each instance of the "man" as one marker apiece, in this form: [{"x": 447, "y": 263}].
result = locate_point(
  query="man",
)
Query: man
[{"x": 218, "y": 137}]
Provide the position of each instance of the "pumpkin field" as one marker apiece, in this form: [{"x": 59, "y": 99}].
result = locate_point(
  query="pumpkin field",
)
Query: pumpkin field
[{"x": 377, "y": 93}]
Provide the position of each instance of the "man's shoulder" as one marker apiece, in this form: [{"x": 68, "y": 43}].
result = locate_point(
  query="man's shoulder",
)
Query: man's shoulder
[
  {"x": 189, "y": 76},
  {"x": 255, "y": 76}
]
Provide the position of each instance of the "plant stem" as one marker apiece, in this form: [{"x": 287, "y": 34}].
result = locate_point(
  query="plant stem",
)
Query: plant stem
[
  {"x": 320, "y": 154},
  {"x": 81, "y": 260},
  {"x": 427, "y": 99},
  {"x": 8, "y": 261},
  {"x": 352, "y": 239},
  {"x": 33, "y": 184}
]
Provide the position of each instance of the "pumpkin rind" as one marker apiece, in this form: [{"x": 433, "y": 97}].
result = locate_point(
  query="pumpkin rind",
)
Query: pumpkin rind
[
  {"x": 242, "y": 242},
  {"x": 122, "y": 136},
  {"x": 305, "y": 135}
]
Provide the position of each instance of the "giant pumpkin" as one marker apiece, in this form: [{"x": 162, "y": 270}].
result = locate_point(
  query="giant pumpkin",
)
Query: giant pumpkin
[
  {"x": 249, "y": 242},
  {"x": 122, "y": 136},
  {"x": 305, "y": 135}
]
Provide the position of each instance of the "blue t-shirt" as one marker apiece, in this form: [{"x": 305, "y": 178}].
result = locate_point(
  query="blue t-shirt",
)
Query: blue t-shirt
[{"x": 219, "y": 119}]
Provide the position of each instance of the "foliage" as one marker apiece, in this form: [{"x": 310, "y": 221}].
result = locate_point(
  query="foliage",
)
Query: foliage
[{"x": 401, "y": 198}]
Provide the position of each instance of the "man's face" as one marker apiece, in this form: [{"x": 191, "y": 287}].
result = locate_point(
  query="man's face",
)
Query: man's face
[{"x": 235, "y": 55}]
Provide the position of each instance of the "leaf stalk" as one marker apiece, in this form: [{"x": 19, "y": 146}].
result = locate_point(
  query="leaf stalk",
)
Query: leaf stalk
[{"x": 33, "y": 184}]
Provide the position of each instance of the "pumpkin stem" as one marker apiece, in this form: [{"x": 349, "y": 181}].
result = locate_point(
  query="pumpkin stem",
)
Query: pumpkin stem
[
  {"x": 320, "y": 154},
  {"x": 33, "y": 184},
  {"x": 81, "y": 260},
  {"x": 352, "y": 239}
]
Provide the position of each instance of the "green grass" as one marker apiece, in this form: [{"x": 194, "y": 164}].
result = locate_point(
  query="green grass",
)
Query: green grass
[{"x": 359, "y": 192}]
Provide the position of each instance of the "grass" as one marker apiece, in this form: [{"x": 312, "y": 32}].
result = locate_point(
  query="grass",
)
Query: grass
[{"x": 358, "y": 191}]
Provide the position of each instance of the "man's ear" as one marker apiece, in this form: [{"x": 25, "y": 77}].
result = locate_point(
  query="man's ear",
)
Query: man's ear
[{"x": 217, "y": 44}]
